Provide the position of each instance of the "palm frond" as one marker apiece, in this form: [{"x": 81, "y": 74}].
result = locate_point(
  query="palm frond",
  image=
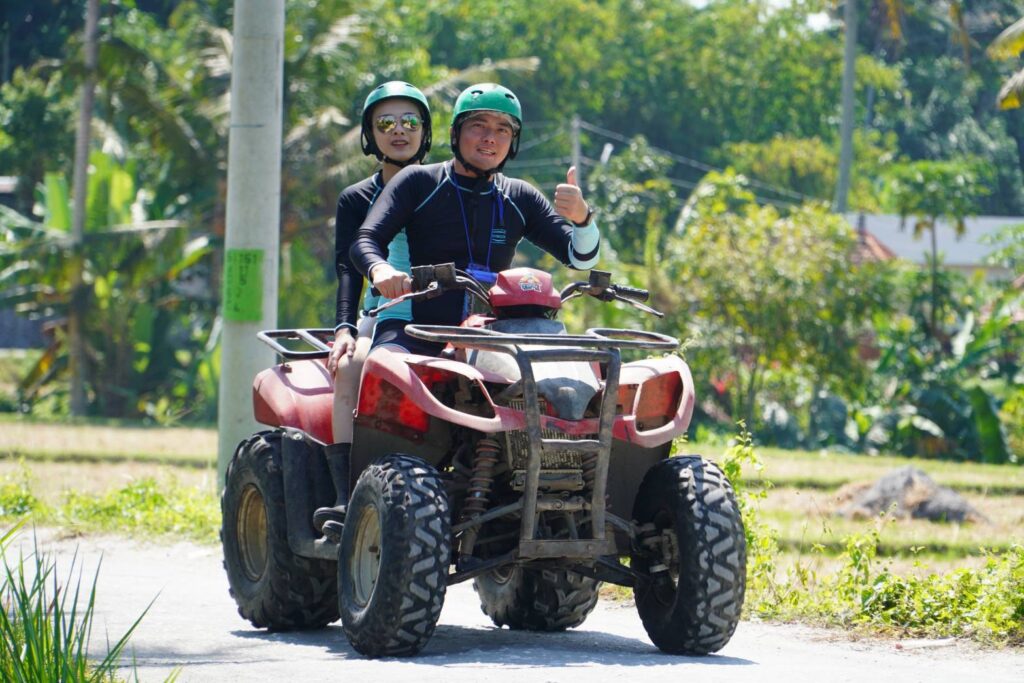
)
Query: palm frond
[
  {"x": 342, "y": 33},
  {"x": 449, "y": 85},
  {"x": 1009, "y": 43},
  {"x": 322, "y": 119},
  {"x": 1012, "y": 92},
  {"x": 216, "y": 57}
]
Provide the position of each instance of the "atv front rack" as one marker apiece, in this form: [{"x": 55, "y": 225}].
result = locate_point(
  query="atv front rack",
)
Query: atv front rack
[
  {"x": 492, "y": 340},
  {"x": 600, "y": 345}
]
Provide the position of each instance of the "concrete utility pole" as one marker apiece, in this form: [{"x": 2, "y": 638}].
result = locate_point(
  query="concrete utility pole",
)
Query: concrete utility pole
[
  {"x": 846, "y": 124},
  {"x": 575, "y": 132},
  {"x": 251, "y": 246}
]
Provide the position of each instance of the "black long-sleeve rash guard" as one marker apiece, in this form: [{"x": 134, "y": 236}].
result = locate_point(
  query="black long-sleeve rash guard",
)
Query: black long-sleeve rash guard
[
  {"x": 353, "y": 204},
  {"x": 423, "y": 200}
]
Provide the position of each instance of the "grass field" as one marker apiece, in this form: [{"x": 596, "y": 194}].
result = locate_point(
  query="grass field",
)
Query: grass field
[
  {"x": 97, "y": 457},
  {"x": 106, "y": 442},
  {"x": 804, "y": 563}
]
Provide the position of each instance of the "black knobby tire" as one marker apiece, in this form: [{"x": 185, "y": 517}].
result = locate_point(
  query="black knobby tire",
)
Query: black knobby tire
[
  {"x": 536, "y": 599},
  {"x": 394, "y": 556},
  {"x": 273, "y": 587},
  {"x": 692, "y": 608}
]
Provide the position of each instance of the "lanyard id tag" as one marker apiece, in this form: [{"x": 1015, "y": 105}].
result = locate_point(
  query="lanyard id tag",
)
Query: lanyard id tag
[{"x": 483, "y": 275}]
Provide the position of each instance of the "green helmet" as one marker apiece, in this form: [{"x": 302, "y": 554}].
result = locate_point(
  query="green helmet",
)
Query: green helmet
[
  {"x": 486, "y": 97},
  {"x": 388, "y": 91}
]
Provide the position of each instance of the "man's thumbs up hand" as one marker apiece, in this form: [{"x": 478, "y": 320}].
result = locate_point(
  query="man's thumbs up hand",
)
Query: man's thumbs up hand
[{"x": 569, "y": 201}]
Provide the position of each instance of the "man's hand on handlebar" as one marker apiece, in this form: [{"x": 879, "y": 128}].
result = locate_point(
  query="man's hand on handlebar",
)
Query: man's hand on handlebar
[{"x": 390, "y": 282}]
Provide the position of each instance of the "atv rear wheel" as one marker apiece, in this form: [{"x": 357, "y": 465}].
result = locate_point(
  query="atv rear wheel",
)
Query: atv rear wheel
[
  {"x": 394, "y": 556},
  {"x": 536, "y": 599},
  {"x": 273, "y": 587},
  {"x": 697, "y": 561}
]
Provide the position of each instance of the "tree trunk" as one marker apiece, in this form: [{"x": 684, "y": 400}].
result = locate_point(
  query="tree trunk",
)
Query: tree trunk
[
  {"x": 846, "y": 125},
  {"x": 935, "y": 282},
  {"x": 76, "y": 342},
  {"x": 751, "y": 397}
]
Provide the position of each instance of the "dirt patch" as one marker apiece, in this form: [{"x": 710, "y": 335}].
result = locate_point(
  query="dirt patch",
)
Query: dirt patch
[
  {"x": 909, "y": 493},
  {"x": 84, "y": 440}
]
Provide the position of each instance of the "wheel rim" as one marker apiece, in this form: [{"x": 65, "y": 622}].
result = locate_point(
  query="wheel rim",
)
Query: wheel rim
[
  {"x": 365, "y": 563},
  {"x": 252, "y": 533}
]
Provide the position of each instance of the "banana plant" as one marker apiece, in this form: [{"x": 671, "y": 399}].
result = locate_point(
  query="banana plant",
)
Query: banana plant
[{"x": 147, "y": 308}]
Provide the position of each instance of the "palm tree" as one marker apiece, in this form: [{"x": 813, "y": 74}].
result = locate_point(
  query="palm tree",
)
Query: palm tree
[{"x": 1008, "y": 45}]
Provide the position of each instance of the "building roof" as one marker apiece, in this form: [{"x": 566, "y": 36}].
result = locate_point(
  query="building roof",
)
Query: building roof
[{"x": 968, "y": 251}]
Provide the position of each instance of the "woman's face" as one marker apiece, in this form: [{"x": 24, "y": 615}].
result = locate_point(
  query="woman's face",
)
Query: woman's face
[{"x": 397, "y": 128}]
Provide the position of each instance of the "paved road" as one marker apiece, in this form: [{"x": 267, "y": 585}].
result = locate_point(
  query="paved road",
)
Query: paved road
[{"x": 193, "y": 625}]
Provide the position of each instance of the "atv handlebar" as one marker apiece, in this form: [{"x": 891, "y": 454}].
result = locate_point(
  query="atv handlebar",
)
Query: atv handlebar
[
  {"x": 600, "y": 286},
  {"x": 433, "y": 280}
]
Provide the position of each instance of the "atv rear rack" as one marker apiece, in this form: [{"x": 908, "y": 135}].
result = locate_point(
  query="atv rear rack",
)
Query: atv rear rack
[
  {"x": 600, "y": 345},
  {"x": 316, "y": 337}
]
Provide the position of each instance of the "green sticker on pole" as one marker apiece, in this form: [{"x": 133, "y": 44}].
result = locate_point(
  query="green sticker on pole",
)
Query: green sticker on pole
[{"x": 243, "y": 285}]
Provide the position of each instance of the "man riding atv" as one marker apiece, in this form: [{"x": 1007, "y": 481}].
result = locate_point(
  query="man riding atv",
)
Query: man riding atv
[{"x": 465, "y": 211}]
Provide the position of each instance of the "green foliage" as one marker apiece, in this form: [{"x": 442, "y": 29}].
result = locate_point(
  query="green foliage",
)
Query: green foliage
[
  {"x": 36, "y": 134},
  {"x": 145, "y": 507},
  {"x": 929, "y": 190},
  {"x": 1008, "y": 45},
  {"x": 46, "y": 623},
  {"x": 743, "y": 84},
  {"x": 1009, "y": 251},
  {"x": 740, "y": 462},
  {"x": 147, "y": 321},
  {"x": 16, "y": 497},
  {"x": 766, "y": 291},
  {"x": 986, "y": 603},
  {"x": 806, "y": 166},
  {"x": 937, "y": 390},
  {"x": 633, "y": 187},
  {"x": 1012, "y": 415}
]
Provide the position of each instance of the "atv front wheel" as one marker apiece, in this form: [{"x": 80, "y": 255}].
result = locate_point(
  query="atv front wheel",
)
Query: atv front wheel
[
  {"x": 273, "y": 587},
  {"x": 394, "y": 556},
  {"x": 695, "y": 556},
  {"x": 536, "y": 599}
]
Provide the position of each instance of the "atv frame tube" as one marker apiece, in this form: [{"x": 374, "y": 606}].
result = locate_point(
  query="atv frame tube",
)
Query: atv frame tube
[{"x": 601, "y": 346}]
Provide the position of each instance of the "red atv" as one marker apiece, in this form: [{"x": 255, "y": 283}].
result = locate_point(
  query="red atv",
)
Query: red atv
[{"x": 525, "y": 458}]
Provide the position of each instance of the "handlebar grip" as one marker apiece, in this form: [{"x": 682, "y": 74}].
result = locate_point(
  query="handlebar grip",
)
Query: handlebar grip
[{"x": 633, "y": 293}]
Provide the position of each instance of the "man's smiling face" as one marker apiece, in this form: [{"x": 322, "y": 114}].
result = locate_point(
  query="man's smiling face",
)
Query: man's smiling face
[{"x": 486, "y": 138}]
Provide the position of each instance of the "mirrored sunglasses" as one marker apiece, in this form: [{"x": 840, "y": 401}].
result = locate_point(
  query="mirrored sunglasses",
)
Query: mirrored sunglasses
[{"x": 387, "y": 122}]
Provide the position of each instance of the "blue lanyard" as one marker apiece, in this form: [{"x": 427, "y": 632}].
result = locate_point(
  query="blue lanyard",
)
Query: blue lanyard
[{"x": 498, "y": 205}]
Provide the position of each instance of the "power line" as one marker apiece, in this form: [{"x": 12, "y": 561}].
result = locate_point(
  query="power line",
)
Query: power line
[
  {"x": 697, "y": 164},
  {"x": 544, "y": 138},
  {"x": 533, "y": 163}
]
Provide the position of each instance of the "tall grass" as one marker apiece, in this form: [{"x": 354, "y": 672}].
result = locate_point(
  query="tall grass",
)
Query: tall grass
[
  {"x": 46, "y": 624},
  {"x": 985, "y": 603}
]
